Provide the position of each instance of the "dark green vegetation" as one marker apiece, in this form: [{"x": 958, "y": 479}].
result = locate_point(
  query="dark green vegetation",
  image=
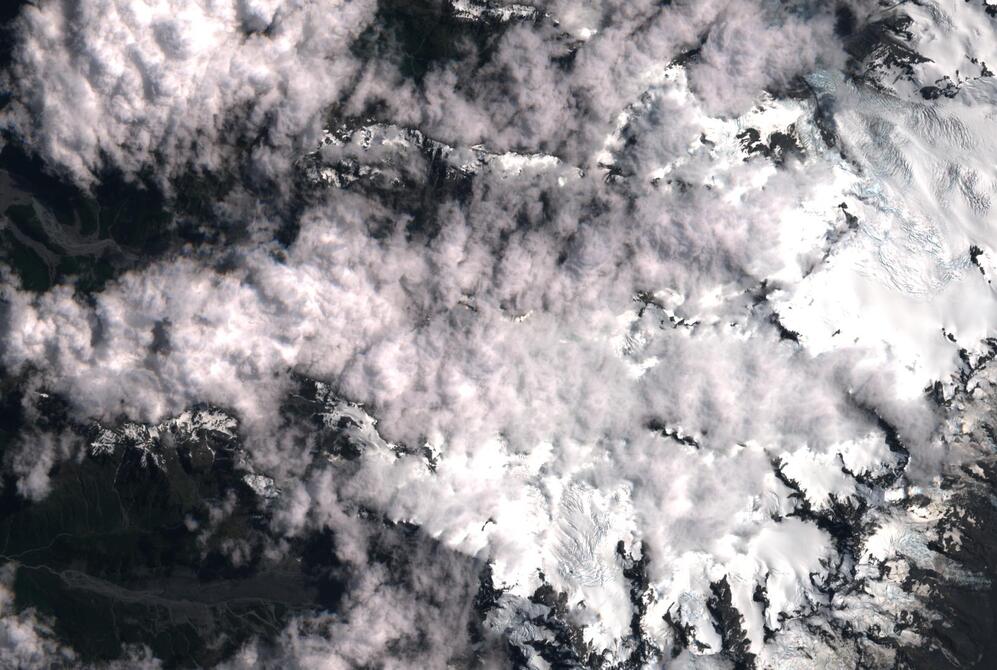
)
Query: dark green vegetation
[
  {"x": 127, "y": 551},
  {"x": 54, "y": 231}
]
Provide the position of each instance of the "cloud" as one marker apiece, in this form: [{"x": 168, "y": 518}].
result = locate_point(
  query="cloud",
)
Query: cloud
[
  {"x": 27, "y": 640},
  {"x": 755, "y": 48},
  {"x": 576, "y": 319},
  {"x": 167, "y": 86},
  {"x": 163, "y": 87},
  {"x": 409, "y": 609}
]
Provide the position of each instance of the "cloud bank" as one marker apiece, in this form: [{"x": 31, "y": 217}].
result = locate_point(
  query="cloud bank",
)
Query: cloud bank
[{"x": 631, "y": 274}]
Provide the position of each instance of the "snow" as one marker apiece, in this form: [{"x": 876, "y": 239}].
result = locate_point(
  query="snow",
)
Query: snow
[
  {"x": 870, "y": 267},
  {"x": 921, "y": 198},
  {"x": 819, "y": 476}
]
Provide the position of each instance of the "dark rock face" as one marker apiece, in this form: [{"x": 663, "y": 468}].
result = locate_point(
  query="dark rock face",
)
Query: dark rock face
[
  {"x": 965, "y": 598},
  {"x": 778, "y": 146},
  {"x": 735, "y": 641},
  {"x": 949, "y": 90},
  {"x": 884, "y": 44},
  {"x": 165, "y": 535}
]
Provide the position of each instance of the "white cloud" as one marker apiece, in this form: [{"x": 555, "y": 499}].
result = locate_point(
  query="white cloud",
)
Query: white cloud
[
  {"x": 28, "y": 641},
  {"x": 164, "y": 85},
  {"x": 410, "y": 611},
  {"x": 506, "y": 335}
]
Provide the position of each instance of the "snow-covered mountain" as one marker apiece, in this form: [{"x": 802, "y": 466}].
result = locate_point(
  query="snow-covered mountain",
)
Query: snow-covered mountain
[{"x": 478, "y": 334}]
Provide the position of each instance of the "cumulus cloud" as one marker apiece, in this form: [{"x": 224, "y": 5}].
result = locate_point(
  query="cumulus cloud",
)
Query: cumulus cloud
[
  {"x": 559, "y": 86},
  {"x": 580, "y": 331},
  {"x": 165, "y": 86},
  {"x": 750, "y": 48},
  {"x": 412, "y": 608},
  {"x": 157, "y": 88},
  {"x": 27, "y": 639}
]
